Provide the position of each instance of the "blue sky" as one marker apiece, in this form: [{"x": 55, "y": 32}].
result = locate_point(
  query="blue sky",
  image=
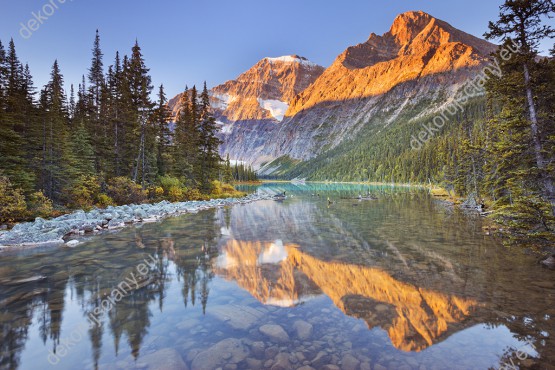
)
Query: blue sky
[{"x": 187, "y": 42}]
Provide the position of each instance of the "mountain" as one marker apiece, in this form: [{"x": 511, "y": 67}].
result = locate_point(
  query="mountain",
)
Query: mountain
[
  {"x": 291, "y": 118},
  {"x": 253, "y": 105},
  {"x": 410, "y": 72}
]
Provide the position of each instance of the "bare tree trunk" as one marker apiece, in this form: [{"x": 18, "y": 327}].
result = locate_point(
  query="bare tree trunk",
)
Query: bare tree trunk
[{"x": 547, "y": 180}]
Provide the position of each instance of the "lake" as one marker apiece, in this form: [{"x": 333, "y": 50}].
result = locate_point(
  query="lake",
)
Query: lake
[{"x": 401, "y": 282}]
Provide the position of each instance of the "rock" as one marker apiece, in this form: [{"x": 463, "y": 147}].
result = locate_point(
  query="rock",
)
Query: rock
[
  {"x": 164, "y": 359},
  {"x": 192, "y": 354},
  {"x": 271, "y": 352},
  {"x": 228, "y": 351},
  {"x": 303, "y": 329},
  {"x": 320, "y": 360},
  {"x": 349, "y": 362},
  {"x": 32, "y": 279},
  {"x": 253, "y": 363},
  {"x": 257, "y": 349},
  {"x": 306, "y": 367},
  {"x": 549, "y": 261},
  {"x": 238, "y": 317},
  {"x": 275, "y": 333},
  {"x": 115, "y": 223},
  {"x": 365, "y": 366},
  {"x": 330, "y": 367},
  {"x": 187, "y": 324},
  {"x": 88, "y": 228},
  {"x": 281, "y": 362},
  {"x": 379, "y": 367},
  {"x": 72, "y": 243}
]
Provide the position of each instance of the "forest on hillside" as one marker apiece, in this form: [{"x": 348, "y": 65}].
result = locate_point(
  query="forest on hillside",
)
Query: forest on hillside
[{"x": 106, "y": 142}]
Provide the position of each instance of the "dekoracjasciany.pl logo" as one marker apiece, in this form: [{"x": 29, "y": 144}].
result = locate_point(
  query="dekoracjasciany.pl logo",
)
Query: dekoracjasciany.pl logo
[{"x": 39, "y": 17}]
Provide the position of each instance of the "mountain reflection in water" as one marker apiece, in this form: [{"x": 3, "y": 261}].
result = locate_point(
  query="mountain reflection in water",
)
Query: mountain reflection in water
[
  {"x": 414, "y": 318},
  {"x": 399, "y": 282}
]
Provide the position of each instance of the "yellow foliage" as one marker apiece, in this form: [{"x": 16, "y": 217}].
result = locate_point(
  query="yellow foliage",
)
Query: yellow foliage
[
  {"x": 12, "y": 202},
  {"x": 39, "y": 205}
]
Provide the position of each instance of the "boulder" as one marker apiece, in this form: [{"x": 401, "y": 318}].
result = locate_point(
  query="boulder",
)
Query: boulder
[
  {"x": 275, "y": 333},
  {"x": 164, "y": 359},
  {"x": 228, "y": 351},
  {"x": 303, "y": 329}
]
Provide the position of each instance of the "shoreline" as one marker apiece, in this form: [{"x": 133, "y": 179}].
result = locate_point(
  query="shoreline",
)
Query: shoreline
[{"x": 66, "y": 229}]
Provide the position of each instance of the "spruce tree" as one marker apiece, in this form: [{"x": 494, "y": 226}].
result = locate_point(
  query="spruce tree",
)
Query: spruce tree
[
  {"x": 58, "y": 170},
  {"x": 97, "y": 121},
  {"x": 522, "y": 22},
  {"x": 161, "y": 120},
  {"x": 140, "y": 84},
  {"x": 186, "y": 138},
  {"x": 209, "y": 144},
  {"x": 15, "y": 121}
]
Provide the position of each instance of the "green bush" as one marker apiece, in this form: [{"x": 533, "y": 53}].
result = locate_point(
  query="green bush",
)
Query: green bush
[
  {"x": 175, "y": 194},
  {"x": 194, "y": 194},
  {"x": 124, "y": 191},
  {"x": 84, "y": 192},
  {"x": 173, "y": 188},
  {"x": 228, "y": 189},
  {"x": 104, "y": 201},
  {"x": 155, "y": 193},
  {"x": 39, "y": 205},
  {"x": 12, "y": 202},
  {"x": 216, "y": 188},
  {"x": 167, "y": 182}
]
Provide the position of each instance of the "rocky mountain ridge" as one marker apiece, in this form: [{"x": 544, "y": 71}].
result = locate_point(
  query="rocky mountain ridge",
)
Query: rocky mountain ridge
[{"x": 290, "y": 108}]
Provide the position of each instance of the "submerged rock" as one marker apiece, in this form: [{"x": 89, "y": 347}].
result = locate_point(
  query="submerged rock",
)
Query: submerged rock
[
  {"x": 549, "y": 261},
  {"x": 275, "y": 333},
  {"x": 228, "y": 351},
  {"x": 303, "y": 329},
  {"x": 164, "y": 359}
]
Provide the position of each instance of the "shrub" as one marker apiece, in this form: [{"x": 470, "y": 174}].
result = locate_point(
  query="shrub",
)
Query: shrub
[
  {"x": 228, "y": 189},
  {"x": 124, "y": 191},
  {"x": 216, "y": 188},
  {"x": 194, "y": 194},
  {"x": 173, "y": 188},
  {"x": 12, "y": 202},
  {"x": 84, "y": 192},
  {"x": 155, "y": 193},
  {"x": 168, "y": 182},
  {"x": 175, "y": 194},
  {"x": 39, "y": 205},
  {"x": 104, "y": 201}
]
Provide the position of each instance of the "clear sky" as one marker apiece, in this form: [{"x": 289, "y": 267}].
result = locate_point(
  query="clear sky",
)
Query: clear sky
[{"x": 187, "y": 42}]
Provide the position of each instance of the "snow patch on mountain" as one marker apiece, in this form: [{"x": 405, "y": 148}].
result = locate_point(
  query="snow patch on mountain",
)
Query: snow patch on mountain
[
  {"x": 221, "y": 101},
  {"x": 225, "y": 128},
  {"x": 277, "y": 108},
  {"x": 292, "y": 59}
]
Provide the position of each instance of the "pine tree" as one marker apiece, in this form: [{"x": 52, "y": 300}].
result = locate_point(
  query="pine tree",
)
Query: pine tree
[
  {"x": 95, "y": 122},
  {"x": 15, "y": 120},
  {"x": 186, "y": 139},
  {"x": 161, "y": 120},
  {"x": 209, "y": 157},
  {"x": 522, "y": 22},
  {"x": 58, "y": 170},
  {"x": 140, "y": 88},
  {"x": 228, "y": 172}
]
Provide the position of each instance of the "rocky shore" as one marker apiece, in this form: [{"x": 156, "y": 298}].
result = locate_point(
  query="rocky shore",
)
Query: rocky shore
[{"x": 58, "y": 230}]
